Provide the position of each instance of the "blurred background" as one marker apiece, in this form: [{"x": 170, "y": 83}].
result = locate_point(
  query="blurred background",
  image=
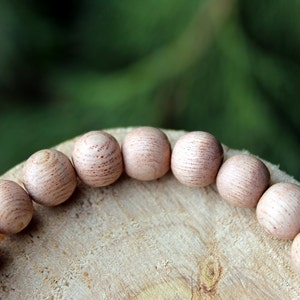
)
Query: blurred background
[{"x": 228, "y": 67}]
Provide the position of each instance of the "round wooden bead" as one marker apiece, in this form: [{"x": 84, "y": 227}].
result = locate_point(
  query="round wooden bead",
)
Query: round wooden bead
[
  {"x": 97, "y": 159},
  {"x": 196, "y": 159},
  {"x": 242, "y": 179},
  {"x": 278, "y": 210},
  {"x": 146, "y": 153},
  {"x": 295, "y": 252},
  {"x": 49, "y": 177},
  {"x": 16, "y": 207}
]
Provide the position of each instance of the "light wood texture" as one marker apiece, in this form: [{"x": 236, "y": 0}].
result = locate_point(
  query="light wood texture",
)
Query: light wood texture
[
  {"x": 196, "y": 159},
  {"x": 242, "y": 179},
  {"x": 278, "y": 210},
  {"x": 97, "y": 159},
  {"x": 146, "y": 240},
  {"x": 146, "y": 153},
  {"x": 49, "y": 177}
]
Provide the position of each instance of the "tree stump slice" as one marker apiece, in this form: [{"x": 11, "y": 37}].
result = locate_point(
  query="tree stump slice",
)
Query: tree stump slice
[{"x": 146, "y": 240}]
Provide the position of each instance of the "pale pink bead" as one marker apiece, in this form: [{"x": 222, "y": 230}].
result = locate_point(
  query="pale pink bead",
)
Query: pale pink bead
[
  {"x": 242, "y": 179},
  {"x": 16, "y": 207},
  {"x": 278, "y": 210},
  {"x": 295, "y": 252},
  {"x": 196, "y": 159},
  {"x": 146, "y": 153},
  {"x": 49, "y": 177},
  {"x": 97, "y": 159}
]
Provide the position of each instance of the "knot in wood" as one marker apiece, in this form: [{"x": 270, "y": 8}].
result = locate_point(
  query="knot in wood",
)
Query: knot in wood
[{"x": 210, "y": 272}]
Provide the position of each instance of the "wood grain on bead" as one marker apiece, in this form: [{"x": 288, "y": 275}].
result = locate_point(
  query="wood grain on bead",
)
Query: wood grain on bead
[
  {"x": 196, "y": 159},
  {"x": 278, "y": 210},
  {"x": 97, "y": 159},
  {"x": 242, "y": 179},
  {"x": 150, "y": 240},
  {"x": 49, "y": 177},
  {"x": 16, "y": 207},
  {"x": 146, "y": 153},
  {"x": 295, "y": 253}
]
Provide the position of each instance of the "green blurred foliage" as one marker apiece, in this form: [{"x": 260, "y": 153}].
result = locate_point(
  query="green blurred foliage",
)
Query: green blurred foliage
[{"x": 228, "y": 67}]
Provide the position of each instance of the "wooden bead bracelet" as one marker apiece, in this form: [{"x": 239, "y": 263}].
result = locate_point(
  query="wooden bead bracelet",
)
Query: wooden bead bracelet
[{"x": 196, "y": 160}]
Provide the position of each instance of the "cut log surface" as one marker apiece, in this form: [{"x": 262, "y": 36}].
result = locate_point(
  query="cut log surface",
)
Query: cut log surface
[{"x": 146, "y": 240}]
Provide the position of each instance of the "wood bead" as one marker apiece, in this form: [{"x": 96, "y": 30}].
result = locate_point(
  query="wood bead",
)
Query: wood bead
[
  {"x": 196, "y": 159},
  {"x": 49, "y": 177},
  {"x": 97, "y": 159},
  {"x": 242, "y": 179},
  {"x": 295, "y": 252},
  {"x": 16, "y": 207},
  {"x": 146, "y": 153},
  {"x": 278, "y": 210}
]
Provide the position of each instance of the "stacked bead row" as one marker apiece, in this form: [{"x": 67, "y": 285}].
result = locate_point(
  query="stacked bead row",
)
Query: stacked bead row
[{"x": 196, "y": 160}]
